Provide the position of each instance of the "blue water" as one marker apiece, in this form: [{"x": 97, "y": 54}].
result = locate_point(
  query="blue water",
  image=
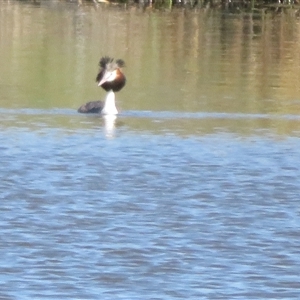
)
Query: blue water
[{"x": 153, "y": 209}]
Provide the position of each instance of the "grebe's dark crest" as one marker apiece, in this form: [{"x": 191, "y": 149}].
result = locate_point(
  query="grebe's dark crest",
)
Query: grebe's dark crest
[{"x": 111, "y": 79}]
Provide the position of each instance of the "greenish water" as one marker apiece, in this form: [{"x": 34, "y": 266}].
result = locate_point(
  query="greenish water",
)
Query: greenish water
[{"x": 178, "y": 60}]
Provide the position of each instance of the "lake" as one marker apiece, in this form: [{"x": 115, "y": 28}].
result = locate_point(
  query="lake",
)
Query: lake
[{"x": 191, "y": 192}]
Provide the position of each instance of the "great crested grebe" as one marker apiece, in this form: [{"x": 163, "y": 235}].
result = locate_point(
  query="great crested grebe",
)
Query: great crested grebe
[{"x": 111, "y": 79}]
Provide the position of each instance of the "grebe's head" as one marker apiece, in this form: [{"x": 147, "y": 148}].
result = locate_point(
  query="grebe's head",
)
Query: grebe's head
[{"x": 110, "y": 76}]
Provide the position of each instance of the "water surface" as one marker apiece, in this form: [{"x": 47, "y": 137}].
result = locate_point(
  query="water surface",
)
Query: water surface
[{"x": 192, "y": 192}]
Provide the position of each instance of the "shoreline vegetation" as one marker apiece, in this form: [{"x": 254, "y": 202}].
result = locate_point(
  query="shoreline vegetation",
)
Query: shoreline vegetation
[
  {"x": 227, "y": 5},
  {"x": 233, "y": 6}
]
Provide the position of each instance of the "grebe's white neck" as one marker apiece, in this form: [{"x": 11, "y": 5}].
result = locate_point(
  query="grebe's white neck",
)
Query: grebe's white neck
[{"x": 109, "y": 104}]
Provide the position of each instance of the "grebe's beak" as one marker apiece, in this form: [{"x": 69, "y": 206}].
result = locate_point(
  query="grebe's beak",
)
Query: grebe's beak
[{"x": 108, "y": 76}]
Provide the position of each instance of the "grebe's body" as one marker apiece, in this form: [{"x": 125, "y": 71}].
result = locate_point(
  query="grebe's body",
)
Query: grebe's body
[{"x": 111, "y": 79}]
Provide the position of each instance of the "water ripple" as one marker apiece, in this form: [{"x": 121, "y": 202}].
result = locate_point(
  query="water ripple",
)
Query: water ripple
[{"x": 148, "y": 215}]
